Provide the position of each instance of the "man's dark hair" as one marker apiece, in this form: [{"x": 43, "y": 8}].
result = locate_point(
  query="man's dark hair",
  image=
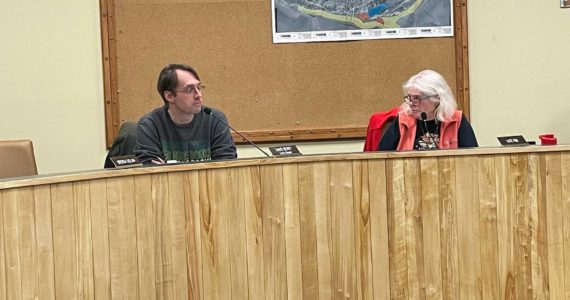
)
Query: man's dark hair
[{"x": 168, "y": 80}]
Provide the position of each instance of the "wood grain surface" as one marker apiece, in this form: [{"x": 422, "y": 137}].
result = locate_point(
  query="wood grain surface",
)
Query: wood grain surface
[{"x": 414, "y": 226}]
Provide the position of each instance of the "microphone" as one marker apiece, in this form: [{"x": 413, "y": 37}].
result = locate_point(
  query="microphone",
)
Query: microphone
[
  {"x": 424, "y": 118},
  {"x": 429, "y": 135},
  {"x": 208, "y": 111}
]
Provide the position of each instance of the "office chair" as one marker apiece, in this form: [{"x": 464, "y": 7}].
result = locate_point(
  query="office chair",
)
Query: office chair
[
  {"x": 377, "y": 126},
  {"x": 17, "y": 159},
  {"x": 124, "y": 144}
]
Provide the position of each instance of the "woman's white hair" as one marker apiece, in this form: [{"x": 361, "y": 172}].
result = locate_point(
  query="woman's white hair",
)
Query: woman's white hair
[{"x": 429, "y": 82}]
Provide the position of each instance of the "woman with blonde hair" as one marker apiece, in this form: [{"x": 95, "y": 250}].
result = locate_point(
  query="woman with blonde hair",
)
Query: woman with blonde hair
[{"x": 428, "y": 118}]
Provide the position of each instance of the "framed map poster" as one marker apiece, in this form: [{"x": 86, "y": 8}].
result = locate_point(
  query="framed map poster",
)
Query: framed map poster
[{"x": 297, "y": 21}]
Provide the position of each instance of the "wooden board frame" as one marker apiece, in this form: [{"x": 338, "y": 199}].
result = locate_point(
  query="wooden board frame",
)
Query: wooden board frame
[{"x": 111, "y": 84}]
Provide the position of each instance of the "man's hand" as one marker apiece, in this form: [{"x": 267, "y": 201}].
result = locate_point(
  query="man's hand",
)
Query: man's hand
[{"x": 158, "y": 161}]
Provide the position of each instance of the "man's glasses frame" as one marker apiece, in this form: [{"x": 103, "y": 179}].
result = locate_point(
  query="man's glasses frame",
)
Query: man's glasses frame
[{"x": 192, "y": 89}]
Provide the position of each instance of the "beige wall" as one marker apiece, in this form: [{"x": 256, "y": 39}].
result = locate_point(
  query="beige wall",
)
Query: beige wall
[
  {"x": 51, "y": 88},
  {"x": 519, "y": 69}
]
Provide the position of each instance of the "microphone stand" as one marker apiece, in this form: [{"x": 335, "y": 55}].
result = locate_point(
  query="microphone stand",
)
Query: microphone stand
[{"x": 208, "y": 111}]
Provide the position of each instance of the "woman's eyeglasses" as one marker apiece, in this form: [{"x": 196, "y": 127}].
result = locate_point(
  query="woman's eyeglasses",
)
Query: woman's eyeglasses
[{"x": 409, "y": 99}]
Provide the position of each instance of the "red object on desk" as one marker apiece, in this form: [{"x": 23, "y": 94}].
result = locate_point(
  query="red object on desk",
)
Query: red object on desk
[{"x": 547, "y": 139}]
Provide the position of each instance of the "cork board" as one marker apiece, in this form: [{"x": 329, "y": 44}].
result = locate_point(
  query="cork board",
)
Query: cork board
[{"x": 271, "y": 92}]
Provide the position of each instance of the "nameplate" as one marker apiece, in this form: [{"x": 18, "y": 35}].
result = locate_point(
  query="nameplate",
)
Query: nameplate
[
  {"x": 288, "y": 150},
  {"x": 513, "y": 140},
  {"x": 125, "y": 161}
]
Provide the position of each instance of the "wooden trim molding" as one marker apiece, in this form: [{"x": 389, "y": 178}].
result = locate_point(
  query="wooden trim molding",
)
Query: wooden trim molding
[
  {"x": 461, "y": 56},
  {"x": 110, "y": 84},
  {"x": 301, "y": 135},
  {"x": 10, "y": 183}
]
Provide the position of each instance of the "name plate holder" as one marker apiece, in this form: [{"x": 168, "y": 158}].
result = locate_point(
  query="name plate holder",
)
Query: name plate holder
[
  {"x": 513, "y": 140},
  {"x": 125, "y": 161},
  {"x": 288, "y": 150}
]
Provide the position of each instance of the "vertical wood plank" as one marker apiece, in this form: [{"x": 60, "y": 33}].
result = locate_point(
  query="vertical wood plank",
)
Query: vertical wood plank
[
  {"x": 44, "y": 241},
  {"x": 468, "y": 227},
  {"x": 505, "y": 223},
  {"x": 27, "y": 244},
  {"x": 362, "y": 226},
  {"x": 379, "y": 229},
  {"x": 3, "y": 290},
  {"x": 64, "y": 241},
  {"x": 554, "y": 223},
  {"x": 414, "y": 230},
  {"x": 44, "y": 233},
  {"x": 193, "y": 229},
  {"x": 449, "y": 242},
  {"x": 292, "y": 231},
  {"x": 11, "y": 243},
  {"x": 250, "y": 195},
  {"x": 565, "y": 163},
  {"x": 323, "y": 225},
  {"x": 122, "y": 238},
  {"x": 218, "y": 184},
  {"x": 215, "y": 251},
  {"x": 397, "y": 233},
  {"x": 162, "y": 239},
  {"x": 342, "y": 230},
  {"x": 236, "y": 235},
  {"x": 273, "y": 232},
  {"x": 100, "y": 236},
  {"x": 145, "y": 226},
  {"x": 307, "y": 215},
  {"x": 488, "y": 228},
  {"x": 82, "y": 203},
  {"x": 521, "y": 234},
  {"x": 178, "y": 235},
  {"x": 538, "y": 247},
  {"x": 431, "y": 228}
]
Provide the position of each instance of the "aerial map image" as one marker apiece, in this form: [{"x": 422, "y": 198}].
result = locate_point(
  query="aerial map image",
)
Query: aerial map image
[{"x": 313, "y": 20}]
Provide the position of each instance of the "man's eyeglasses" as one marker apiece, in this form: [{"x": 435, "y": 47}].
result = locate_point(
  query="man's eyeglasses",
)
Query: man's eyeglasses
[
  {"x": 191, "y": 89},
  {"x": 409, "y": 98}
]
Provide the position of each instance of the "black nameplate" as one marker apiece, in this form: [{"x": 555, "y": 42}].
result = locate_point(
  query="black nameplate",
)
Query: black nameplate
[
  {"x": 288, "y": 150},
  {"x": 513, "y": 140},
  {"x": 125, "y": 161}
]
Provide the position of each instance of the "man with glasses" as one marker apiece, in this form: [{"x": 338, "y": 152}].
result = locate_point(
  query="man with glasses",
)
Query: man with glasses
[
  {"x": 428, "y": 118},
  {"x": 180, "y": 131}
]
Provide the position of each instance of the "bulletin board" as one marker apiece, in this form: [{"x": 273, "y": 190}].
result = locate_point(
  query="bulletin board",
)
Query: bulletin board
[{"x": 269, "y": 92}]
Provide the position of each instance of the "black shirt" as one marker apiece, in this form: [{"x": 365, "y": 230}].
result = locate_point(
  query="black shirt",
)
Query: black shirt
[{"x": 427, "y": 137}]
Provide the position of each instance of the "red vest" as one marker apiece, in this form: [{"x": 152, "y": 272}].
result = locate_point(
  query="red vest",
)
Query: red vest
[{"x": 447, "y": 132}]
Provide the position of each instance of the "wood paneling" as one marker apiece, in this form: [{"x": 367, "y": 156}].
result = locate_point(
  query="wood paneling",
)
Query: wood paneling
[{"x": 405, "y": 226}]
